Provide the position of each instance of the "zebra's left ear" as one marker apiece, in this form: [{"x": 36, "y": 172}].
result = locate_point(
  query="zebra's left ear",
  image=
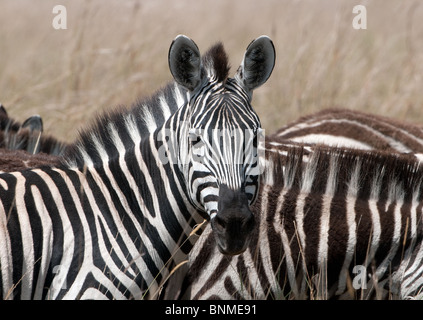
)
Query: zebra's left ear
[
  {"x": 33, "y": 123},
  {"x": 258, "y": 63}
]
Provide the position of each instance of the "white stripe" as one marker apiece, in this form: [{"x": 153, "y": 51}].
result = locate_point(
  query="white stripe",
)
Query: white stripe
[
  {"x": 299, "y": 220},
  {"x": 179, "y": 96},
  {"x": 4, "y": 185},
  {"x": 331, "y": 140},
  {"x": 395, "y": 240},
  {"x": 165, "y": 108},
  {"x": 132, "y": 128},
  {"x": 253, "y": 277},
  {"x": 376, "y": 228},
  {"x": 6, "y": 265},
  {"x": 352, "y": 193},
  {"x": 94, "y": 294},
  {"x": 47, "y": 241},
  {"x": 27, "y": 240},
  {"x": 148, "y": 118},
  {"x": 326, "y": 205}
]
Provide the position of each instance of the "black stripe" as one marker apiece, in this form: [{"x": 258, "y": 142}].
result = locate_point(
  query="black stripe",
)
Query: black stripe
[
  {"x": 8, "y": 201},
  {"x": 33, "y": 179}
]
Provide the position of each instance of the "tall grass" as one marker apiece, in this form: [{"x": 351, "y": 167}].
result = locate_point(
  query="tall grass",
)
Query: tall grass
[{"x": 116, "y": 51}]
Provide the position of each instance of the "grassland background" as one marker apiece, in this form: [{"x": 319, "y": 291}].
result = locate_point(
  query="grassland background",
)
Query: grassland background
[{"x": 114, "y": 52}]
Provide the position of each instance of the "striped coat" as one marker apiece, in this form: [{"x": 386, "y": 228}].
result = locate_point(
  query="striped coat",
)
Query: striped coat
[
  {"x": 324, "y": 214},
  {"x": 354, "y": 129}
]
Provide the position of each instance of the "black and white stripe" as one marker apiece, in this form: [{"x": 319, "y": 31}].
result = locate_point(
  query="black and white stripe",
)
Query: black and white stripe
[
  {"x": 354, "y": 129},
  {"x": 323, "y": 211},
  {"x": 114, "y": 219},
  {"x": 408, "y": 279}
]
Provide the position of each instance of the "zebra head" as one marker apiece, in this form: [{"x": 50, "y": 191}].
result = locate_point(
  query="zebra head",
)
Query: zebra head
[{"x": 220, "y": 134}]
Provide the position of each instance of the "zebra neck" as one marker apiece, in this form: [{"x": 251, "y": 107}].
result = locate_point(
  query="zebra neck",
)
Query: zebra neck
[
  {"x": 149, "y": 190},
  {"x": 159, "y": 190}
]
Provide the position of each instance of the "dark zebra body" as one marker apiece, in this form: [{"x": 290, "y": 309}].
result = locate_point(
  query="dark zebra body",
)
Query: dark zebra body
[
  {"x": 354, "y": 129},
  {"x": 17, "y": 160},
  {"x": 323, "y": 212},
  {"x": 116, "y": 216}
]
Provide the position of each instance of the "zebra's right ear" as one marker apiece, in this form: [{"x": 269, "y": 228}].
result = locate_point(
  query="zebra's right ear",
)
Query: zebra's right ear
[
  {"x": 3, "y": 111},
  {"x": 257, "y": 65},
  {"x": 33, "y": 123},
  {"x": 185, "y": 62}
]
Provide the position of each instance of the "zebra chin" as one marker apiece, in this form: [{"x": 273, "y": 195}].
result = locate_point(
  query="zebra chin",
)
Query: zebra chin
[{"x": 234, "y": 222}]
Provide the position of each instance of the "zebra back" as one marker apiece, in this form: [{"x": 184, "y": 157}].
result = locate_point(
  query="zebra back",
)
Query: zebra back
[{"x": 355, "y": 129}]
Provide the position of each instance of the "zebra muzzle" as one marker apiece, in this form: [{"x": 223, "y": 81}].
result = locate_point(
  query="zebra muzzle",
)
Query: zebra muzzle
[{"x": 234, "y": 223}]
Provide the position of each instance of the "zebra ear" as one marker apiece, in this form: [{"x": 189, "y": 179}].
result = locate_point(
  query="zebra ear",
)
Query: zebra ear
[
  {"x": 3, "y": 111},
  {"x": 258, "y": 63},
  {"x": 185, "y": 62},
  {"x": 33, "y": 123}
]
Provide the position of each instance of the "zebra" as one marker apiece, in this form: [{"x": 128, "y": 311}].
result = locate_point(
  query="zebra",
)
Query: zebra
[
  {"x": 27, "y": 136},
  {"x": 348, "y": 128},
  {"x": 408, "y": 279},
  {"x": 116, "y": 215},
  {"x": 326, "y": 214},
  {"x": 354, "y": 129}
]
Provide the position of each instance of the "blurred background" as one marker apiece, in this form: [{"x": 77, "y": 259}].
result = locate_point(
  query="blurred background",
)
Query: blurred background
[{"x": 114, "y": 52}]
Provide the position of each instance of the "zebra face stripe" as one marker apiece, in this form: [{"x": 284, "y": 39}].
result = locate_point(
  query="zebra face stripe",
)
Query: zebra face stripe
[
  {"x": 221, "y": 162},
  {"x": 223, "y": 140},
  {"x": 231, "y": 156}
]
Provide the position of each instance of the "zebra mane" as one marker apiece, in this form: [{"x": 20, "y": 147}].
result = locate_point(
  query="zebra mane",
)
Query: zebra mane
[
  {"x": 128, "y": 125},
  {"x": 215, "y": 62},
  {"x": 360, "y": 173}
]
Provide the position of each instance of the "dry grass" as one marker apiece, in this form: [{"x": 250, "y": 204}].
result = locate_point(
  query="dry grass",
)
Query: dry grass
[{"x": 116, "y": 51}]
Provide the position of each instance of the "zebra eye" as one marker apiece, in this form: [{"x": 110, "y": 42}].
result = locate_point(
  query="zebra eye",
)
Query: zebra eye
[
  {"x": 196, "y": 141},
  {"x": 194, "y": 137}
]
